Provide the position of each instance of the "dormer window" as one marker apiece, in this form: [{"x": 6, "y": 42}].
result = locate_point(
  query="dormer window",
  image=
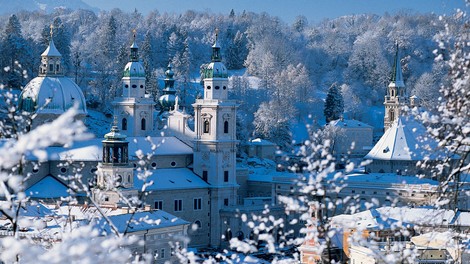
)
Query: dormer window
[
  {"x": 51, "y": 67},
  {"x": 57, "y": 67}
]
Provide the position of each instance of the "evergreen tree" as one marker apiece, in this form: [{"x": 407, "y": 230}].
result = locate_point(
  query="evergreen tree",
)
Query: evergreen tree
[
  {"x": 14, "y": 52},
  {"x": 334, "y": 105}
]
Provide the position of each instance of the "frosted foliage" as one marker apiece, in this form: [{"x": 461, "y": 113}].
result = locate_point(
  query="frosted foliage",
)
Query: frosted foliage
[
  {"x": 81, "y": 245},
  {"x": 64, "y": 130}
]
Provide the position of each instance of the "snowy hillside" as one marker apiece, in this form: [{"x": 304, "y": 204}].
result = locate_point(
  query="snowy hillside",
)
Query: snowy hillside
[{"x": 47, "y": 6}]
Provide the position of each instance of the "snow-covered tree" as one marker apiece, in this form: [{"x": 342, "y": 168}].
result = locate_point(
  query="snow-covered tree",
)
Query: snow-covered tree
[
  {"x": 15, "y": 53},
  {"x": 270, "y": 123},
  {"x": 334, "y": 105}
]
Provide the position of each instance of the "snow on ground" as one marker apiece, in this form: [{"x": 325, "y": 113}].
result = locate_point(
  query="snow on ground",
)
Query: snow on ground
[{"x": 97, "y": 123}]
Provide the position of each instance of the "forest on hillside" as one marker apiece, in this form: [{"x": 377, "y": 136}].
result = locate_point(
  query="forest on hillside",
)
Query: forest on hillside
[{"x": 295, "y": 64}]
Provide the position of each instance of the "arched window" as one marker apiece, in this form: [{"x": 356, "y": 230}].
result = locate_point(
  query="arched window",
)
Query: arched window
[
  {"x": 228, "y": 234},
  {"x": 226, "y": 127},
  {"x": 392, "y": 115},
  {"x": 206, "y": 126},
  {"x": 57, "y": 67},
  {"x": 142, "y": 124},
  {"x": 51, "y": 67},
  {"x": 124, "y": 124}
]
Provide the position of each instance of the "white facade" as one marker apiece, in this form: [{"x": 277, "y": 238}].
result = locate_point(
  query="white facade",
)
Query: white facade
[
  {"x": 216, "y": 144},
  {"x": 134, "y": 108}
]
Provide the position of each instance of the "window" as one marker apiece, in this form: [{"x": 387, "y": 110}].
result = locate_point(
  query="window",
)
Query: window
[
  {"x": 208, "y": 87},
  {"x": 206, "y": 126},
  {"x": 159, "y": 205},
  {"x": 141, "y": 86},
  {"x": 225, "y": 176},
  {"x": 51, "y": 67},
  {"x": 392, "y": 115},
  {"x": 225, "y": 87},
  {"x": 217, "y": 87},
  {"x": 134, "y": 86},
  {"x": 173, "y": 164},
  {"x": 197, "y": 203},
  {"x": 178, "y": 205},
  {"x": 154, "y": 164},
  {"x": 226, "y": 202},
  {"x": 142, "y": 124},
  {"x": 57, "y": 67},
  {"x": 226, "y": 127},
  {"x": 353, "y": 191},
  {"x": 204, "y": 175},
  {"x": 63, "y": 170},
  {"x": 162, "y": 253},
  {"x": 124, "y": 124},
  {"x": 126, "y": 86}
]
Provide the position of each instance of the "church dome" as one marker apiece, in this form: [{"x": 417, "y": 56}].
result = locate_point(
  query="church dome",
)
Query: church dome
[
  {"x": 215, "y": 70},
  {"x": 134, "y": 69},
  {"x": 55, "y": 95}
]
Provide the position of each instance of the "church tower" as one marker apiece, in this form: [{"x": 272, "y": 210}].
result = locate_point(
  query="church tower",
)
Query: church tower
[
  {"x": 168, "y": 99},
  {"x": 134, "y": 108},
  {"x": 215, "y": 143},
  {"x": 396, "y": 96},
  {"x": 114, "y": 172}
]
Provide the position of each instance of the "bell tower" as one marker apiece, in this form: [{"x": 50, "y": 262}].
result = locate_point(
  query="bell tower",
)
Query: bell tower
[
  {"x": 215, "y": 144},
  {"x": 134, "y": 108},
  {"x": 115, "y": 176},
  {"x": 397, "y": 95}
]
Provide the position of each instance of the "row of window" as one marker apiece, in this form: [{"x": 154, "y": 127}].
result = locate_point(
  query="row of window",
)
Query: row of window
[
  {"x": 206, "y": 173},
  {"x": 207, "y": 127},
  {"x": 133, "y": 86},
  {"x": 178, "y": 204},
  {"x": 217, "y": 87},
  {"x": 143, "y": 124}
]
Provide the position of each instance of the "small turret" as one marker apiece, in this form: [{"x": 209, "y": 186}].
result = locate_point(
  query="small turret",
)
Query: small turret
[
  {"x": 51, "y": 60},
  {"x": 168, "y": 99}
]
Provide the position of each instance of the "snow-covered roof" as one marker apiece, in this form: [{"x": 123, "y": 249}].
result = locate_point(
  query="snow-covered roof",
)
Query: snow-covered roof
[
  {"x": 140, "y": 221},
  {"x": 406, "y": 139},
  {"x": 259, "y": 141},
  {"x": 52, "y": 95},
  {"x": 346, "y": 123},
  {"x": 47, "y": 187},
  {"x": 172, "y": 179},
  {"x": 394, "y": 217},
  {"x": 29, "y": 209},
  {"x": 383, "y": 178},
  {"x": 91, "y": 150},
  {"x": 51, "y": 50}
]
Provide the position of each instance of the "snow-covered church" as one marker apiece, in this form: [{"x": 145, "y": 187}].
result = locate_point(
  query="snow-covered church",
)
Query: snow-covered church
[{"x": 189, "y": 173}]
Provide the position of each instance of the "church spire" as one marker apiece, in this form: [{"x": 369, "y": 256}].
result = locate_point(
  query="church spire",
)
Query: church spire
[
  {"x": 396, "y": 79},
  {"x": 134, "y": 49},
  {"x": 51, "y": 59},
  {"x": 168, "y": 99},
  {"x": 216, "y": 48}
]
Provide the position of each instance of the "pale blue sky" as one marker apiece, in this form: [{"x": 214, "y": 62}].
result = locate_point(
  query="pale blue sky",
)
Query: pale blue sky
[{"x": 287, "y": 10}]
